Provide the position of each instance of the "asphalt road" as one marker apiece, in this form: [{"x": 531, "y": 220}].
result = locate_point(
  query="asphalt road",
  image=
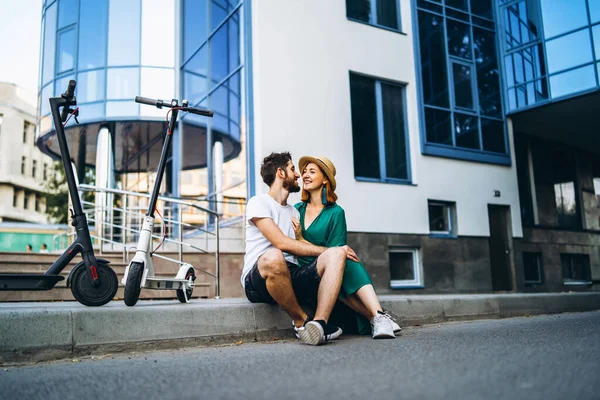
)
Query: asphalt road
[{"x": 546, "y": 357}]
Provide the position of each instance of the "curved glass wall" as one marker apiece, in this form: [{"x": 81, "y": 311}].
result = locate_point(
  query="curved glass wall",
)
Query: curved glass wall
[{"x": 552, "y": 49}]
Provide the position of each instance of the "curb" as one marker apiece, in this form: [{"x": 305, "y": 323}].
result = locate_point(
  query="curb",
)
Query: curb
[{"x": 47, "y": 331}]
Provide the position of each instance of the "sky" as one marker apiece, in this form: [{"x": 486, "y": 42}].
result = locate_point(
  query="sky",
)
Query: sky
[{"x": 20, "y": 26}]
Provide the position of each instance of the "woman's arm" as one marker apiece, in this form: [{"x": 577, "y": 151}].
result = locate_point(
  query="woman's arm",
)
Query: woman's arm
[{"x": 338, "y": 233}]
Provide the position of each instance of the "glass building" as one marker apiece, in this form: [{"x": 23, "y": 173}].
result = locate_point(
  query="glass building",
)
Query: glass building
[{"x": 116, "y": 50}]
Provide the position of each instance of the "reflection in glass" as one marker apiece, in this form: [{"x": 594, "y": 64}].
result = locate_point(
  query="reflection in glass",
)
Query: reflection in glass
[
  {"x": 218, "y": 12},
  {"x": 594, "y": 10},
  {"x": 124, "y": 32},
  {"x": 122, "y": 83},
  {"x": 49, "y": 44},
  {"x": 66, "y": 50},
  {"x": 234, "y": 41},
  {"x": 364, "y": 127},
  {"x": 569, "y": 51},
  {"x": 156, "y": 83},
  {"x": 219, "y": 55},
  {"x": 158, "y": 50},
  {"x": 459, "y": 39},
  {"x": 463, "y": 85},
  {"x": 122, "y": 109},
  {"x": 47, "y": 92},
  {"x": 93, "y": 26},
  {"x": 91, "y": 112},
  {"x": 90, "y": 86},
  {"x": 438, "y": 126},
  {"x": 387, "y": 13},
  {"x": 573, "y": 81},
  {"x": 596, "y": 34},
  {"x": 460, "y": 4},
  {"x": 359, "y": 10},
  {"x": 194, "y": 26},
  {"x": 67, "y": 13},
  {"x": 482, "y": 8},
  {"x": 61, "y": 85},
  {"x": 466, "y": 131},
  {"x": 562, "y": 16},
  {"x": 566, "y": 206},
  {"x": 521, "y": 22},
  {"x": 488, "y": 75},
  {"x": 392, "y": 100},
  {"x": 492, "y": 133},
  {"x": 433, "y": 59}
]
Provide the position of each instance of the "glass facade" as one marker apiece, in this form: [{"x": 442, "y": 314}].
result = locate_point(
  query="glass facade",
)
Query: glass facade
[
  {"x": 460, "y": 80},
  {"x": 551, "y": 49}
]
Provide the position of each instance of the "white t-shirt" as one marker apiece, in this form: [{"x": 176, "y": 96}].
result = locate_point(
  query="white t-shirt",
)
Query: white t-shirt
[{"x": 264, "y": 206}]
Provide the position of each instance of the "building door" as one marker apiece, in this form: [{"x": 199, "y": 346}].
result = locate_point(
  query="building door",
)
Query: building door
[{"x": 500, "y": 235}]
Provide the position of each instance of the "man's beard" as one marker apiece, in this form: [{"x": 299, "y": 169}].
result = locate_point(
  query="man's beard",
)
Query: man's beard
[{"x": 290, "y": 184}]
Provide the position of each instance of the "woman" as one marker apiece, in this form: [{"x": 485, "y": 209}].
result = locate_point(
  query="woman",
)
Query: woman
[{"x": 323, "y": 222}]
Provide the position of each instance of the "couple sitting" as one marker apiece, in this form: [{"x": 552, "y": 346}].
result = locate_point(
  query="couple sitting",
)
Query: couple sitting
[{"x": 300, "y": 254}]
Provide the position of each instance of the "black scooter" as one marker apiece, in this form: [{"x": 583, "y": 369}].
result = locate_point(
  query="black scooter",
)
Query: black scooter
[{"x": 92, "y": 281}]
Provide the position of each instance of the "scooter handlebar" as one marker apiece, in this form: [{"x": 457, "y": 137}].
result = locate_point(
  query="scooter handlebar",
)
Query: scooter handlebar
[{"x": 166, "y": 103}]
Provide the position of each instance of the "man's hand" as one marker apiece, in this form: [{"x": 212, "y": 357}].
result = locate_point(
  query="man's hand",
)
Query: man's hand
[
  {"x": 350, "y": 254},
  {"x": 297, "y": 229}
]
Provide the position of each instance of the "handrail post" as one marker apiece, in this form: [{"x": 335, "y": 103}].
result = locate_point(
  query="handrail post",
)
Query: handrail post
[
  {"x": 124, "y": 231},
  {"x": 180, "y": 227},
  {"x": 218, "y": 267}
]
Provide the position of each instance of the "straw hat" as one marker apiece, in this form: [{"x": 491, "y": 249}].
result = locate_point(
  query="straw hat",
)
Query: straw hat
[{"x": 324, "y": 163}]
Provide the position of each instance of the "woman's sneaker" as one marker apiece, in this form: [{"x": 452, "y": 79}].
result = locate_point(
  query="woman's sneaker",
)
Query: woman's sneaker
[
  {"x": 317, "y": 332},
  {"x": 395, "y": 325},
  {"x": 382, "y": 326}
]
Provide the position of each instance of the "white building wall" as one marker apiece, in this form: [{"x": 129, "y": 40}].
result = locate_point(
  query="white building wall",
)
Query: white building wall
[{"x": 302, "y": 54}]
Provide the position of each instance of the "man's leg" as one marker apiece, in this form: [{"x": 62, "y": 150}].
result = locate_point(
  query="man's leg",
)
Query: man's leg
[
  {"x": 330, "y": 267},
  {"x": 274, "y": 270}
]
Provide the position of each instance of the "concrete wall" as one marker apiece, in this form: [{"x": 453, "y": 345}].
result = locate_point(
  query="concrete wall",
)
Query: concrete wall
[{"x": 302, "y": 55}]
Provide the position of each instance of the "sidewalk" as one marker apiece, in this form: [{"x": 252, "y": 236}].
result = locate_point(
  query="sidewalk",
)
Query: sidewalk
[{"x": 45, "y": 331}]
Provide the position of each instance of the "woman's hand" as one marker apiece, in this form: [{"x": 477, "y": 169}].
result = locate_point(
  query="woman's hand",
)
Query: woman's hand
[
  {"x": 297, "y": 229},
  {"x": 350, "y": 254}
]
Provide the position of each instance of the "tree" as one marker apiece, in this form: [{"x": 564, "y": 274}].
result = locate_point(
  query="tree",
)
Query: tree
[{"x": 57, "y": 192}]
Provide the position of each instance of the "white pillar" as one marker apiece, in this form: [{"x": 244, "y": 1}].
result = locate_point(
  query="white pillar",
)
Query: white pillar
[
  {"x": 105, "y": 178},
  {"x": 218, "y": 173}
]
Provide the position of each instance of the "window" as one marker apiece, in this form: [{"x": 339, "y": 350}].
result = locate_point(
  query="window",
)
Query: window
[
  {"x": 405, "y": 269},
  {"x": 379, "y": 130},
  {"x": 442, "y": 219},
  {"x": 15, "y": 198},
  {"x": 93, "y": 25},
  {"x": 533, "y": 269},
  {"x": 460, "y": 82},
  {"x": 45, "y": 172},
  {"x": 66, "y": 51},
  {"x": 25, "y": 200},
  {"x": 23, "y": 162},
  {"x": 34, "y": 168},
  {"x": 37, "y": 203},
  {"x": 385, "y": 13},
  {"x": 576, "y": 268},
  {"x": 25, "y": 129}
]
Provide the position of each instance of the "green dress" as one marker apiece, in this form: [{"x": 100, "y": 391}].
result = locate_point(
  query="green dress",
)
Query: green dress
[{"x": 329, "y": 230}]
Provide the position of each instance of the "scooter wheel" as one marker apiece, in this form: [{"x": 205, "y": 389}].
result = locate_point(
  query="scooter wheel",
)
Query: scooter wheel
[
  {"x": 133, "y": 286},
  {"x": 180, "y": 295},
  {"x": 88, "y": 295}
]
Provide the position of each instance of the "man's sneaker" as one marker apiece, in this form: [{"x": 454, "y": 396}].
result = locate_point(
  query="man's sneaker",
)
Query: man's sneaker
[
  {"x": 382, "y": 327},
  {"x": 395, "y": 325},
  {"x": 332, "y": 332}
]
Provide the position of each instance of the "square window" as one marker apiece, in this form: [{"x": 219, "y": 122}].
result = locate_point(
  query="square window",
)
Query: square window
[
  {"x": 533, "y": 269},
  {"x": 385, "y": 13},
  {"x": 576, "y": 269},
  {"x": 405, "y": 269},
  {"x": 442, "y": 218}
]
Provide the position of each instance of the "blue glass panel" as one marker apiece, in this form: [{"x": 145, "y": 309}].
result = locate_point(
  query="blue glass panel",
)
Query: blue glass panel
[
  {"x": 387, "y": 13},
  {"x": 459, "y": 39},
  {"x": 234, "y": 41},
  {"x": 463, "y": 85},
  {"x": 519, "y": 69},
  {"x": 508, "y": 69},
  {"x": 91, "y": 112},
  {"x": 47, "y": 92},
  {"x": 218, "y": 100},
  {"x": 596, "y": 34},
  {"x": 569, "y": 51},
  {"x": 359, "y": 10},
  {"x": 61, "y": 85},
  {"x": 218, "y": 12},
  {"x": 483, "y": 8},
  {"x": 194, "y": 87},
  {"x": 512, "y": 99},
  {"x": 466, "y": 130},
  {"x": 573, "y": 81},
  {"x": 234, "y": 130},
  {"x": 488, "y": 74},
  {"x": 124, "y": 32},
  {"x": 562, "y": 16},
  {"x": 122, "y": 109},
  {"x": 194, "y": 26},
  {"x": 433, "y": 59},
  {"x": 492, "y": 133},
  {"x": 66, "y": 51},
  {"x": 49, "y": 44},
  {"x": 438, "y": 126},
  {"x": 67, "y": 12},
  {"x": 122, "y": 83},
  {"x": 594, "y": 10},
  {"x": 92, "y": 34},
  {"x": 219, "y": 55},
  {"x": 90, "y": 86},
  {"x": 460, "y": 4},
  {"x": 234, "y": 98}
]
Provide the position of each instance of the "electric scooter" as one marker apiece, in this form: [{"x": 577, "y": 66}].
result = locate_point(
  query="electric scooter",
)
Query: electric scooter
[
  {"x": 92, "y": 281},
  {"x": 140, "y": 271}
]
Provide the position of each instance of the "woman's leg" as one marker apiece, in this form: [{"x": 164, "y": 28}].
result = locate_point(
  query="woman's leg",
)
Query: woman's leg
[{"x": 364, "y": 301}]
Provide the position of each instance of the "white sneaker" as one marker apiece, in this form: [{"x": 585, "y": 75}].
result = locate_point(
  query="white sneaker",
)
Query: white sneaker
[
  {"x": 395, "y": 325},
  {"x": 382, "y": 327},
  {"x": 331, "y": 331}
]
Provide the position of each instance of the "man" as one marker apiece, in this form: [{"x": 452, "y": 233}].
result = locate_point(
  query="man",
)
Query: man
[
  {"x": 271, "y": 274},
  {"x": 44, "y": 248}
]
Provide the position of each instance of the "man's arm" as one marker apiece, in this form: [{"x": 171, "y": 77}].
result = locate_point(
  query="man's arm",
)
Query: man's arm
[{"x": 271, "y": 231}]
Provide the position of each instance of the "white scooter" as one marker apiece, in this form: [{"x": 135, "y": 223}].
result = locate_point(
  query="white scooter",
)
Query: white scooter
[{"x": 140, "y": 271}]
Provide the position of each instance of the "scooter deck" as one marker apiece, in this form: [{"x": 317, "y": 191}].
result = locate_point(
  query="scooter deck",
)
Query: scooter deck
[
  {"x": 164, "y": 283},
  {"x": 29, "y": 281}
]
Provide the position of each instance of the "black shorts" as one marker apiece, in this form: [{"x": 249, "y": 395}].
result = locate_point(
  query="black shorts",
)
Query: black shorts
[{"x": 305, "y": 282}]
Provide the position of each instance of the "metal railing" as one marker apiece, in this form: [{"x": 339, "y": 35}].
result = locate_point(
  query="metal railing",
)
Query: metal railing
[{"x": 118, "y": 217}]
